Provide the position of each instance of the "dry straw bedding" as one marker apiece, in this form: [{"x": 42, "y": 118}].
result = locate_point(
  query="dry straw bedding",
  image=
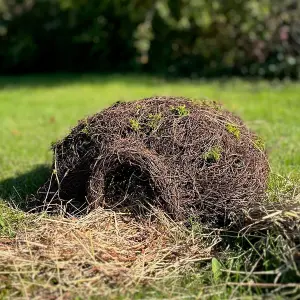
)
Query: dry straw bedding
[
  {"x": 191, "y": 159},
  {"x": 100, "y": 254},
  {"x": 109, "y": 254}
]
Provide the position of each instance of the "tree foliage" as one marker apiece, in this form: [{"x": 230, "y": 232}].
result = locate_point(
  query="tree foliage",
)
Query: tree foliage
[{"x": 181, "y": 37}]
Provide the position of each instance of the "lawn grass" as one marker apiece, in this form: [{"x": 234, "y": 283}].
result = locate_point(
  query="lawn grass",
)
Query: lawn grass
[{"x": 38, "y": 110}]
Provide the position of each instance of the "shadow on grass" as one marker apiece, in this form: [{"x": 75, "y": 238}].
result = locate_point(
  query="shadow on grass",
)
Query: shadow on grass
[
  {"x": 151, "y": 80},
  {"x": 63, "y": 79},
  {"x": 15, "y": 190}
]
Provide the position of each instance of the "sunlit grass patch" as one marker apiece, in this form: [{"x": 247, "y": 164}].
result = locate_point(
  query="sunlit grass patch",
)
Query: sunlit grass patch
[{"x": 112, "y": 255}]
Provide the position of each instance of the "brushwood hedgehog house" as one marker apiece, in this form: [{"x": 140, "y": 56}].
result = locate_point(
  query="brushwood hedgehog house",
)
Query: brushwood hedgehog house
[{"x": 186, "y": 157}]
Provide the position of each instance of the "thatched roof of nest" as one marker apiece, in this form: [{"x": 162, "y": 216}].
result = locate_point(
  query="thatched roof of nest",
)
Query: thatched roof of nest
[{"x": 191, "y": 159}]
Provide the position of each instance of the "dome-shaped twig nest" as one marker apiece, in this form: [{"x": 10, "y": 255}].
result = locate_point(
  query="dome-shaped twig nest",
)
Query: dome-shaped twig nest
[{"x": 188, "y": 158}]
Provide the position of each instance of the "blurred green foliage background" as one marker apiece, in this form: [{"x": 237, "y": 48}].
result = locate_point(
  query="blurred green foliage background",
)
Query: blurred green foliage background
[{"x": 176, "y": 37}]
